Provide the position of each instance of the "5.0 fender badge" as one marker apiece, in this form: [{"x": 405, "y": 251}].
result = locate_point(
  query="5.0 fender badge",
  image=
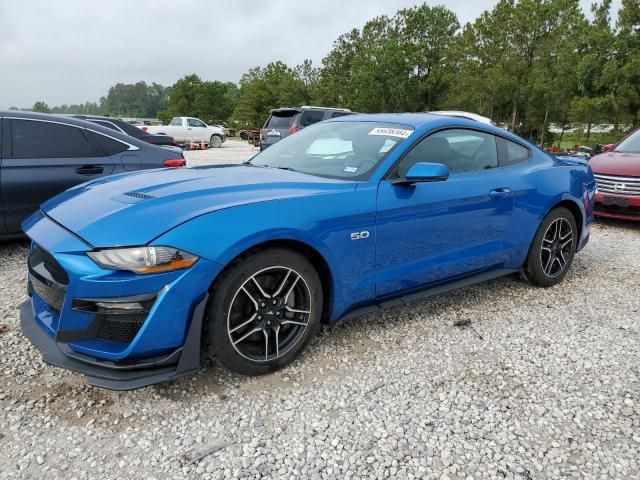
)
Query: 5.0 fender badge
[{"x": 359, "y": 235}]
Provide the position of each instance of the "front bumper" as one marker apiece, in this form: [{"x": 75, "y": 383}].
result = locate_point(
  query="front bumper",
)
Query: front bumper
[
  {"x": 75, "y": 316},
  {"x": 117, "y": 376},
  {"x": 628, "y": 209}
]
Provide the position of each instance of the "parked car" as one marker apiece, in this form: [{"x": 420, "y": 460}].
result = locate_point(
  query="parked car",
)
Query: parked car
[
  {"x": 282, "y": 122},
  {"x": 253, "y": 137},
  {"x": 128, "y": 129},
  {"x": 189, "y": 129},
  {"x": 43, "y": 155},
  {"x": 617, "y": 174},
  {"x": 346, "y": 217}
]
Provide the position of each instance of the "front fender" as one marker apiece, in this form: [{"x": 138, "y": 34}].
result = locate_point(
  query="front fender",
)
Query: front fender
[{"x": 323, "y": 223}]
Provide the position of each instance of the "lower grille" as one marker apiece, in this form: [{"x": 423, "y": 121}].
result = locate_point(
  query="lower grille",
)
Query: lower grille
[
  {"x": 630, "y": 210},
  {"x": 52, "y": 295},
  {"x": 120, "y": 328}
]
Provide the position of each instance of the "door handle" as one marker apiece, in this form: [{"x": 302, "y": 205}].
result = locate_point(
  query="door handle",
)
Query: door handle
[
  {"x": 500, "y": 192},
  {"x": 89, "y": 170}
]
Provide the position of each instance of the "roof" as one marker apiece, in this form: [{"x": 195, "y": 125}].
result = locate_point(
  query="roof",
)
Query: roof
[
  {"x": 96, "y": 117},
  {"x": 46, "y": 116},
  {"x": 411, "y": 119},
  {"x": 69, "y": 120},
  {"x": 429, "y": 120},
  {"x": 460, "y": 114},
  {"x": 308, "y": 107}
]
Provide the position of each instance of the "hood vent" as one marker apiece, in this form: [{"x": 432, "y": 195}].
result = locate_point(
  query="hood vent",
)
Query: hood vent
[{"x": 139, "y": 195}]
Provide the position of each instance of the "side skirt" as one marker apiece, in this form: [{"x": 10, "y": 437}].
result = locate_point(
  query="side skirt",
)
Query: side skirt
[{"x": 428, "y": 292}]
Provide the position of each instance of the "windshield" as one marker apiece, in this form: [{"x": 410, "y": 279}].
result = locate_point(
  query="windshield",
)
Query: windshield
[
  {"x": 347, "y": 150},
  {"x": 631, "y": 144}
]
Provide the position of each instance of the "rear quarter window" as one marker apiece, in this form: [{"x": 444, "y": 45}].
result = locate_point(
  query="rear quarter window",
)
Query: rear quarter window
[
  {"x": 512, "y": 153},
  {"x": 107, "y": 146},
  {"x": 130, "y": 129},
  {"x": 309, "y": 117}
]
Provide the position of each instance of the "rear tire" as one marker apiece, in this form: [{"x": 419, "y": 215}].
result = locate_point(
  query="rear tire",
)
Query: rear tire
[
  {"x": 553, "y": 248},
  {"x": 263, "y": 312}
]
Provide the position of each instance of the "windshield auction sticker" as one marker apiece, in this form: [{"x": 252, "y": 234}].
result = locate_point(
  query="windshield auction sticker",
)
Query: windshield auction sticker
[{"x": 391, "y": 132}]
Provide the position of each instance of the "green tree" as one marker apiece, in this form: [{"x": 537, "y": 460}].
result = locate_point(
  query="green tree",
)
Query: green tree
[
  {"x": 592, "y": 101},
  {"x": 134, "y": 100},
  {"x": 622, "y": 72},
  {"x": 515, "y": 63},
  {"x": 262, "y": 89},
  {"x": 182, "y": 99},
  {"x": 215, "y": 101},
  {"x": 41, "y": 107},
  {"x": 397, "y": 63},
  {"x": 428, "y": 35}
]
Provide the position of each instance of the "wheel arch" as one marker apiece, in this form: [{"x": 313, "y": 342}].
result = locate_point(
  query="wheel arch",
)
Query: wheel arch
[
  {"x": 575, "y": 210},
  {"x": 309, "y": 252}
]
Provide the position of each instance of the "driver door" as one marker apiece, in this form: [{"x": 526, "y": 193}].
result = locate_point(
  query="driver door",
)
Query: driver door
[
  {"x": 432, "y": 232},
  {"x": 197, "y": 130}
]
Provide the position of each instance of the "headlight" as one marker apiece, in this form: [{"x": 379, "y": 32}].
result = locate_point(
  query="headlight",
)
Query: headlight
[{"x": 143, "y": 259}]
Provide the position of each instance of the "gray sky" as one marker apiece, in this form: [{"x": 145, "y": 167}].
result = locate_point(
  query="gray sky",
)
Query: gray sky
[{"x": 72, "y": 51}]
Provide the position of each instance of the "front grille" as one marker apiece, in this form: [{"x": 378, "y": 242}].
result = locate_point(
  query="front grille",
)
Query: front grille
[
  {"x": 618, "y": 185},
  {"x": 120, "y": 328}
]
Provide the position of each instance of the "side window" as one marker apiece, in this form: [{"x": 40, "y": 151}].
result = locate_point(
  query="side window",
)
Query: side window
[
  {"x": 309, "y": 117},
  {"x": 459, "y": 149},
  {"x": 194, "y": 122},
  {"x": 176, "y": 122},
  {"x": 106, "y": 145},
  {"x": 512, "y": 153},
  {"x": 35, "y": 139},
  {"x": 339, "y": 114}
]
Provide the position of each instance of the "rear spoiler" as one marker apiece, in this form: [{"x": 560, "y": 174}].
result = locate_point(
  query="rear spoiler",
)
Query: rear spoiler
[
  {"x": 572, "y": 160},
  {"x": 285, "y": 110}
]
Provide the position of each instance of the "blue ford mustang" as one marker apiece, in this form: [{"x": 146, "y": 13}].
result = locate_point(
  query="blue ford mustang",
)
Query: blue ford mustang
[{"x": 133, "y": 275}]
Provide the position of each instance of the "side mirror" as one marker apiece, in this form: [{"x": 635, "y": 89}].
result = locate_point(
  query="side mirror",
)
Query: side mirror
[{"x": 424, "y": 172}]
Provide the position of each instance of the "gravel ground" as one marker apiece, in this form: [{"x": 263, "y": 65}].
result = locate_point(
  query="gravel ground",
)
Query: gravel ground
[{"x": 546, "y": 385}]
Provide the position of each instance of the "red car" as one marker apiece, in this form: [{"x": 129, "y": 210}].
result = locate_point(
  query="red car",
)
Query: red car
[{"x": 617, "y": 174}]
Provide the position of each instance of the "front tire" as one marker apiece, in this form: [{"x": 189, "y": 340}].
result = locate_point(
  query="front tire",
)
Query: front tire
[
  {"x": 553, "y": 248},
  {"x": 215, "y": 141},
  {"x": 264, "y": 310}
]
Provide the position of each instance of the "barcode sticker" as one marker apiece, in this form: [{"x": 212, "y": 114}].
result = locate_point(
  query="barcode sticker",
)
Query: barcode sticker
[{"x": 391, "y": 132}]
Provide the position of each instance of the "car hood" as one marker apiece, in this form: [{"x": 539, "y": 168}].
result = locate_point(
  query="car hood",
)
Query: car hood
[
  {"x": 135, "y": 208},
  {"x": 616, "y": 163}
]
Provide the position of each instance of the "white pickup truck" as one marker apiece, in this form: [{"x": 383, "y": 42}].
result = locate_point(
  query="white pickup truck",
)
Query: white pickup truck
[{"x": 189, "y": 129}]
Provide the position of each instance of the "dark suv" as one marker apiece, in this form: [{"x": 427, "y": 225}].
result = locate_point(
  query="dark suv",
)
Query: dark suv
[{"x": 282, "y": 122}]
